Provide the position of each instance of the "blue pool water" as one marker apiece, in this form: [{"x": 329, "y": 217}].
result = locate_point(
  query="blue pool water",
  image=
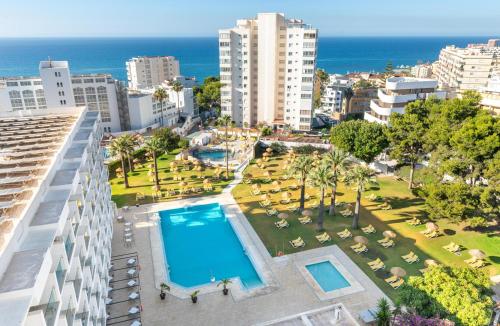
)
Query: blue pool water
[
  {"x": 200, "y": 243},
  {"x": 212, "y": 155},
  {"x": 327, "y": 276}
]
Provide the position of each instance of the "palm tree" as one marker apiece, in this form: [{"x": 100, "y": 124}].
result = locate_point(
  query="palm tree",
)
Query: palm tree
[
  {"x": 300, "y": 169},
  {"x": 154, "y": 146},
  {"x": 133, "y": 142},
  {"x": 160, "y": 95},
  {"x": 359, "y": 177},
  {"x": 337, "y": 160},
  {"x": 177, "y": 87},
  {"x": 384, "y": 313},
  {"x": 225, "y": 121},
  {"x": 121, "y": 146},
  {"x": 321, "y": 178}
]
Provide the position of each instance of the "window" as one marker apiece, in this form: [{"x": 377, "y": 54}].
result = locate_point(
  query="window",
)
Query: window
[
  {"x": 88, "y": 81},
  {"x": 101, "y": 90},
  {"x": 25, "y": 83},
  {"x": 39, "y": 93},
  {"x": 223, "y": 44},
  {"x": 28, "y": 93},
  {"x": 89, "y": 90},
  {"x": 37, "y": 82},
  {"x": 10, "y": 83},
  {"x": 305, "y": 96},
  {"x": 308, "y": 53},
  {"x": 307, "y": 79},
  {"x": 308, "y": 62},
  {"x": 76, "y": 81},
  {"x": 14, "y": 94}
]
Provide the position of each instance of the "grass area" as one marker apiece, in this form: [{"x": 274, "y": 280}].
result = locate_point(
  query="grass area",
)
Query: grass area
[
  {"x": 404, "y": 206},
  {"x": 140, "y": 182}
]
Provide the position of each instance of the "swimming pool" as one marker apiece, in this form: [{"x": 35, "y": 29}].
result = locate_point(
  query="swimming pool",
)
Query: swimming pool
[
  {"x": 200, "y": 245},
  {"x": 327, "y": 276},
  {"x": 212, "y": 154}
]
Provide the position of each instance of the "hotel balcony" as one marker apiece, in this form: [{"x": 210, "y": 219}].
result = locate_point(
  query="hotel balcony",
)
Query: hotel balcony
[
  {"x": 378, "y": 107},
  {"x": 374, "y": 117}
]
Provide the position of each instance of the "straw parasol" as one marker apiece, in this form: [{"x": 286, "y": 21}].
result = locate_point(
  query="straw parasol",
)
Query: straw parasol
[
  {"x": 183, "y": 183},
  {"x": 198, "y": 168},
  {"x": 173, "y": 164},
  {"x": 267, "y": 174},
  {"x": 430, "y": 262},
  {"x": 283, "y": 215},
  {"x": 206, "y": 181},
  {"x": 398, "y": 271},
  {"x": 286, "y": 195},
  {"x": 276, "y": 183},
  {"x": 269, "y": 150},
  {"x": 256, "y": 186},
  {"x": 136, "y": 160},
  {"x": 155, "y": 188},
  {"x": 476, "y": 253},
  {"x": 150, "y": 173},
  {"x": 431, "y": 226},
  {"x": 361, "y": 239},
  {"x": 307, "y": 212},
  {"x": 389, "y": 234},
  {"x": 259, "y": 161},
  {"x": 118, "y": 170}
]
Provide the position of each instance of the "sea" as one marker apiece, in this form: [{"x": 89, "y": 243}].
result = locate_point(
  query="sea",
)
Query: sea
[{"x": 199, "y": 56}]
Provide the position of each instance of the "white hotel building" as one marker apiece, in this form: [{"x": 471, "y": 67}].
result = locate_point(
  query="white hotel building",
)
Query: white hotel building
[
  {"x": 398, "y": 92},
  {"x": 267, "y": 69},
  {"x": 147, "y": 72},
  {"x": 56, "y": 218},
  {"x": 56, "y": 88}
]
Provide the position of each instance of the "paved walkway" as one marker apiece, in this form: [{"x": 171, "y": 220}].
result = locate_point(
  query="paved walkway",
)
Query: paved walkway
[{"x": 291, "y": 294}]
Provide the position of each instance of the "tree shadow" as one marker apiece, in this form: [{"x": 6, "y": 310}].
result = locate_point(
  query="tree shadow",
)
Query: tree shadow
[
  {"x": 495, "y": 259},
  {"x": 449, "y": 232}
]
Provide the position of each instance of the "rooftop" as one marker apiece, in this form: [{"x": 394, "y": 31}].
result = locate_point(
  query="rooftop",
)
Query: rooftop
[{"x": 29, "y": 145}]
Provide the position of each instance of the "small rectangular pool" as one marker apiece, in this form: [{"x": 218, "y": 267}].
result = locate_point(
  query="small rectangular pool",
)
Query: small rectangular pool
[
  {"x": 327, "y": 276},
  {"x": 200, "y": 245}
]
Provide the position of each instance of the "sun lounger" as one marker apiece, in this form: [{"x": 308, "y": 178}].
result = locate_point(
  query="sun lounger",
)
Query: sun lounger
[
  {"x": 414, "y": 221},
  {"x": 368, "y": 229},
  {"x": 285, "y": 201},
  {"x": 478, "y": 263},
  {"x": 256, "y": 192},
  {"x": 265, "y": 203},
  {"x": 322, "y": 238},
  {"x": 314, "y": 205},
  {"x": 383, "y": 240},
  {"x": 397, "y": 284},
  {"x": 392, "y": 279},
  {"x": 346, "y": 213},
  {"x": 356, "y": 246},
  {"x": 378, "y": 266},
  {"x": 410, "y": 258},
  {"x": 297, "y": 243},
  {"x": 271, "y": 212},
  {"x": 454, "y": 248},
  {"x": 470, "y": 260},
  {"x": 361, "y": 249},
  {"x": 281, "y": 224},
  {"x": 375, "y": 262},
  {"x": 345, "y": 234},
  {"x": 305, "y": 220},
  {"x": 432, "y": 234},
  {"x": 293, "y": 208},
  {"x": 388, "y": 244}
]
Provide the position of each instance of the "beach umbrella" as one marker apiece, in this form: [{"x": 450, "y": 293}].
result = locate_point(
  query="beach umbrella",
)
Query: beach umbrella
[
  {"x": 155, "y": 188},
  {"x": 183, "y": 183},
  {"x": 118, "y": 170},
  {"x": 389, "y": 234},
  {"x": 269, "y": 150},
  {"x": 151, "y": 166},
  {"x": 265, "y": 154},
  {"x": 398, "y": 271},
  {"x": 283, "y": 215},
  {"x": 276, "y": 183},
  {"x": 476, "y": 253},
  {"x": 136, "y": 160},
  {"x": 361, "y": 239},
  {"x": 267, "y": 174},
  {"x": 199, "y": 168},
  {"x": 150, "y": 173},
  {"x": 431, "y": 226},
  {"x": 196, "y": 162},
  {"x": 286, "y": 195},
  {"x": 206, "y": 181},
  {"x": 265, "y": 197},
  {"x": 307, "y": 212},
  {"x": 173, "y": 164},
  {"x": 430, "y": 262},
  {"x": 256, "y": 186}
]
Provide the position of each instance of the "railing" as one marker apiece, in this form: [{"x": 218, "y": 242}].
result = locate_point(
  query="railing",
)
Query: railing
[{"x": 68, "y": 246}]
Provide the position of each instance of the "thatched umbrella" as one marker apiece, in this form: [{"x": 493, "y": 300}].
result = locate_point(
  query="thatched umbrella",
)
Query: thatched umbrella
[
  {"x": 267, "y": 174},
  {"x": 151, "y": 166},
  {"x": 276, "y": 183},
  {"x": 118, "y": 170},
  {"x": 173, "y": 164},
  {"x": 155, "y": 188},
  {"x": 431, "y": 226},
  {"x": 389, "y": 234},
  {"x": 286, "y": 195},
  {"x": 398, "y": 271},
  {"x": 182, "y": 183},
  {"x": 283, "y": 215},
  {"x": 150, "y": 173},
  {"x": 259, "y": 161},
  {"x": 256, "y": 186},
  {"x": 136, "y": 161},
  {"x": 269, "y": 150},
  {"x": 206, "y": 181},
  {"x": 307, "y": 212},
  {"x": 476, "y": 253},
  {"x": 430, "y": 262},
  {"x": 361, "y": 239}
]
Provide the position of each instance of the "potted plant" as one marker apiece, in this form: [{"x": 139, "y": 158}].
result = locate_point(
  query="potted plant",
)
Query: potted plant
[
  {"x": 224, "y": 283},
  {"x": 194, "y": 296},
  {"x": 164, "y": 287}
]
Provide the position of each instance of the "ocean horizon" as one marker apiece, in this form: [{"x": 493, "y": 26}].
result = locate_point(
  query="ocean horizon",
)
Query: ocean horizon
[{"x": 198, "y": 56}]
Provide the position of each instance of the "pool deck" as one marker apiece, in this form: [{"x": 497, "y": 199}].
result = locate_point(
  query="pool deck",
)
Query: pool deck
[{"x": 289, "y": 291}]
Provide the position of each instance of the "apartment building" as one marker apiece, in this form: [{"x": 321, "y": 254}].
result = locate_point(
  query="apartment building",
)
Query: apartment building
[
  {"x": 56, "y": 218},
  {"x": 334, "y": 94},
  {"x": 56, "y": 88},
  {"x": 491, "y": 95},
  {"x": 267, "y": 69},
  {"x": 421, "y": 70},
  {"x": 147, "y": 72},
  {"x": 469, "y": 68},
  {"x": 146, "y": 112},
  {"x": 398, "y": 92}
]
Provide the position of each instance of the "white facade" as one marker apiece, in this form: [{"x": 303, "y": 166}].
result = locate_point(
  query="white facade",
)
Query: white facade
[
  {"x": 491, "y": 95},
  {"x": 331, "y": 101},
  {"x": 147, "y": 72},
  {"x": 422, "y": 71},
  {"x": 146, "y": 112},
  {"x": 467, "y": 68},
  {"x": 56, "y": 88},
  {"x": 267, "y": 70},
  {"x": 398, "y": 92},
  {"x": 55, "y": 236}
]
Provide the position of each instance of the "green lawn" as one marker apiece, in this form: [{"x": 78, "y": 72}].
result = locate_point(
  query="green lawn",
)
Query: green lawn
[
  {"x": 140, "y": 182},
  {"x": 404, "y": 206}
]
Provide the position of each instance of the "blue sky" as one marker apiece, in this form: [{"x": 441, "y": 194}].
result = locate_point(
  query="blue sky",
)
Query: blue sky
[{"x": 61, "y": 18}]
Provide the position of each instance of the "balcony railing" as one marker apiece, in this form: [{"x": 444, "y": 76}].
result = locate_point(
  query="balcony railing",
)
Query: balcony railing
[{"x": 68, "y": 246}]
